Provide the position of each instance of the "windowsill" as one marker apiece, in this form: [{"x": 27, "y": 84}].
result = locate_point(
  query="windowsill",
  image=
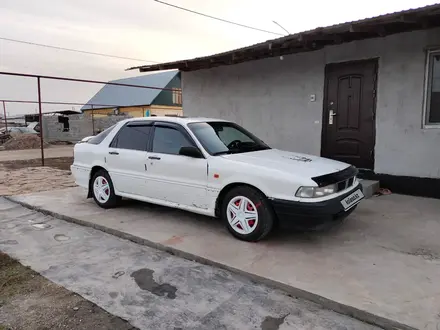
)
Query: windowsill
[{"x": 431, "y": 126}]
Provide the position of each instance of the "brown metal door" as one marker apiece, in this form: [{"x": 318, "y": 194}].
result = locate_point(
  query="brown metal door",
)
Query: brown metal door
[{"x": 349, "y": 113}]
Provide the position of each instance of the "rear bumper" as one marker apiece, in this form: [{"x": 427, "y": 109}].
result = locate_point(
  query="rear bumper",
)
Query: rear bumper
[
  {"x": 311, "y": 215},
  {"x": 81, "y": 175}
]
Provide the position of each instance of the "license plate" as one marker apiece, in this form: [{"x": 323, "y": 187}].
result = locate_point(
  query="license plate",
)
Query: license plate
[{"x": 352, "y": 199}]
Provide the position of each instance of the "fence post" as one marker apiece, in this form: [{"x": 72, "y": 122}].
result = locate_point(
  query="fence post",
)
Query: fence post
[
  {"x": 4, "y": 113},
  {"x": 40, "y": 116},
  {"x": 93, "y": 120}
]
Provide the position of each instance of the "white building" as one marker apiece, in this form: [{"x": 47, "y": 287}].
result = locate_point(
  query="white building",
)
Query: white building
[{"x": 365, "y": 92}]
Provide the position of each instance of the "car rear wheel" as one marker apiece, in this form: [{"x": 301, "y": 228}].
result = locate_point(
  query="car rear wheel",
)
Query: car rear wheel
[
  {"x": 247, "y": 214},
  {"x": 103, "y": 191}
]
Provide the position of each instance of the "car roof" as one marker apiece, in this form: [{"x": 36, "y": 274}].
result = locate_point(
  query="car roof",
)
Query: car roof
[{"x": 175, "y": 119}]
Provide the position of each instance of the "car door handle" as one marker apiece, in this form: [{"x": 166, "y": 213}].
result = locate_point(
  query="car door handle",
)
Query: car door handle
[
  {"x": 113, "y": 153},
  {"x": 154, "y": 157}
]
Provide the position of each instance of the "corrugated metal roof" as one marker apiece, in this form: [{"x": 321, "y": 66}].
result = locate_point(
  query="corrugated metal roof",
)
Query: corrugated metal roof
[
  {"x": 379, "y": 26},
  {"x": 124, "y": 96}
]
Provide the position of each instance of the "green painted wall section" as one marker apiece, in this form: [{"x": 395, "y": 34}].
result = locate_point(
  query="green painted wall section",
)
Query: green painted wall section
[{"x": 166, "y": 97}]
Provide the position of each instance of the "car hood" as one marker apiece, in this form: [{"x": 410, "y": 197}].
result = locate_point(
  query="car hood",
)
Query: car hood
[{"x": 290, "y": 162}]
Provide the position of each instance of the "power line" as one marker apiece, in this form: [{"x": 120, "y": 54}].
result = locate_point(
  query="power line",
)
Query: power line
[
  {"x": 61, "y": 103},
  {"x": 112, "y": 83},
  {"x": 75, "y": 50},
  {"x": 281, "y": 27},
  {"x": 217, "y": 18}
]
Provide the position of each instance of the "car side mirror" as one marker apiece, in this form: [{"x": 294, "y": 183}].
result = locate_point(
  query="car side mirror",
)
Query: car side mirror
[{"x": 190, "y": 152}]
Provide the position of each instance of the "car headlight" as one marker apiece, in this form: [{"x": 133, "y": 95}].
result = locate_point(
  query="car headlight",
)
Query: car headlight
[{"x": 315, "y": 192}]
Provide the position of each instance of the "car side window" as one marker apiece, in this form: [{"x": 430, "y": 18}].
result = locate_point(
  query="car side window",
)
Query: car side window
[
  {"x": 134, "y": 137},
  {"x": 168, "y": 140}
]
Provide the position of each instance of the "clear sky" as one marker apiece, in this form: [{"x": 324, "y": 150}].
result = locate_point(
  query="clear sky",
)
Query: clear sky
[{"x": 147, "y": 30}]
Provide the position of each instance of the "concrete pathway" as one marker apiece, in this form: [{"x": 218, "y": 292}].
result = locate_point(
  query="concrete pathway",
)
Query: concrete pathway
[
  {"x": 385, "y": 260},
  {"x": 52, "y": 152},
  {"x": 152, "y": 289}
]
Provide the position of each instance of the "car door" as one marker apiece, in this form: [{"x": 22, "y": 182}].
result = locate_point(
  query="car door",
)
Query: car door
[
  {"x": 127, "y": 158},
  {"x": 176, "y": 178}
]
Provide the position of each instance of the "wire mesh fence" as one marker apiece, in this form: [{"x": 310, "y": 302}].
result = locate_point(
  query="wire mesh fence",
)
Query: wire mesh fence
[{"x": 47, "y": 114}]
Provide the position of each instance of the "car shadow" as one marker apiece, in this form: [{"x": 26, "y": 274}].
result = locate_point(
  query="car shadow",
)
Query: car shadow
[
  {"x": 279, "y": 234},
  {"x": 160, "y": 210}
]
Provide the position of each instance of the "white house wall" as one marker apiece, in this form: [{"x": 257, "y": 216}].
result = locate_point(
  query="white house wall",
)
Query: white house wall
[{"x": 271, "y": 98}]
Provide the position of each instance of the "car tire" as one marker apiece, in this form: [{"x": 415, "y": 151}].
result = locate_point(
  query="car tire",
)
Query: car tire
[
  {"x": 251, "y": 221},
  {"x": 103, "y": 191}
]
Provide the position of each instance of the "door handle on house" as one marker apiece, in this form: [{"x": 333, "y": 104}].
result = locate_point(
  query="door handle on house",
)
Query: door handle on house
[
  {"x": 331, "y": 114},
  {"x": 113, "y": 153},
  {"x": 154, "y": 157}
]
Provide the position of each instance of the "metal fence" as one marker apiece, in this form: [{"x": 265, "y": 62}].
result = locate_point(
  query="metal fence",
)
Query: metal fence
[{"x": 40, "y": 102}]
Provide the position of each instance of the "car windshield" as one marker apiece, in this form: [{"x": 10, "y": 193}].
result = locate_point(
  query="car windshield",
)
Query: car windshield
[{"x": 220, "y": 138}]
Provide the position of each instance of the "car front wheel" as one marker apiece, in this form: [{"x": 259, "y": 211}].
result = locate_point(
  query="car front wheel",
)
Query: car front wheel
[
  {"x": 247, "y": 214},
  {"x": 103, "y": 191}
]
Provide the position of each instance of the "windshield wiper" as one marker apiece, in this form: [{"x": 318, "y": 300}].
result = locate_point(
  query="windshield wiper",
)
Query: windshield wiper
[
  {"x": 258, "y": 148},
  {"x": 225, "y": 152},
  {"x": 243, "y": 150}
]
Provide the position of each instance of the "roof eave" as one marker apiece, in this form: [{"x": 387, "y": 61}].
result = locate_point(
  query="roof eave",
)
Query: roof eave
[{"x": 381, "y": 26}]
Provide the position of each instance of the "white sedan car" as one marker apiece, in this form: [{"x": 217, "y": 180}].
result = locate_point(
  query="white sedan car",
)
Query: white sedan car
[{"x": 216, "y": 168}]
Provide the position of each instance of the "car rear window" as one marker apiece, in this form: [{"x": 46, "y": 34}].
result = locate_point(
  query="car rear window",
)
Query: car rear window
[{"x": 101, "y": 136}]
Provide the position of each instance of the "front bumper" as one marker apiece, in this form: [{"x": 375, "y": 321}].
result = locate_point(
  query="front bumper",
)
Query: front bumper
[{"x": 311, "y": 215}]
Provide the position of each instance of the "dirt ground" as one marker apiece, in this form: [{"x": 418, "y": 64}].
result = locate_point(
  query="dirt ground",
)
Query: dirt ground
[
  {"x": 61, "y": 163},
  {"x": 28, "y": 176},
  {"x": 28, "y": 301},
  {"x": 23, "y": 141}
]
